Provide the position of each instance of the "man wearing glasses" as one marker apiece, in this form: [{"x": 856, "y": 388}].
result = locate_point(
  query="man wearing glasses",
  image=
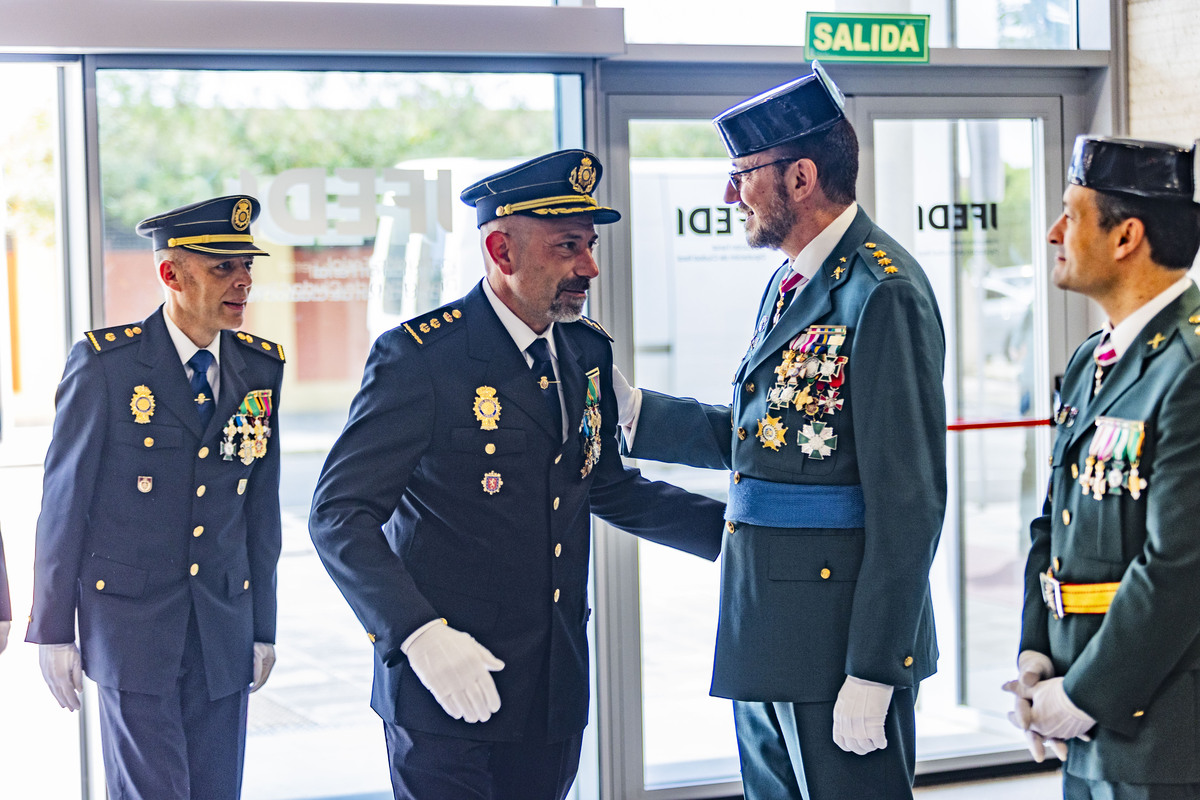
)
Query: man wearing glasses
[{"x": 836, "y": 443}]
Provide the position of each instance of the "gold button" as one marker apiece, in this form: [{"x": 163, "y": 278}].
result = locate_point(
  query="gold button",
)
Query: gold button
[
  {"x": 750, "y": 387},
  {"x": 1074, "y": 471},
  {"x": 99, "y": 586},
  {"x": 200, "y": 490},
  {"x": 195, "y": 569},
  {"x": 245, "y": 584},
  {"x": 825, "y": 573},
  {"x": 737, "y": 477},
  {"x": 742, "y": 434},
  {"x": 371, "y": 636},
  {"x": 556, "y": 595},
  {"x": 148, "y": 441},
  {"x": 908, "y": 661},
  {"x": 558, "y": 458},
  {"x": 489, "y": 448},
  {"x": 203, "y": 452},
  {"x": 1056, "y": 565},
  {"x": 729, "y": 527},
  {"x": 556, "y": 504},
  {"x": 1139, "y": 713},
  {"x": 196, "y": 531},
  {"x": 558, "y": 550},
  {"x": 1066, "y": 517}
]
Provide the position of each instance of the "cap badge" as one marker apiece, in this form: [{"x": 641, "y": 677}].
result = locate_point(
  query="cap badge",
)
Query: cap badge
[
  {"x": 241, "y": 214},
  {"x": 142, "y": 404},
  {"x": 583, "y": 177}
]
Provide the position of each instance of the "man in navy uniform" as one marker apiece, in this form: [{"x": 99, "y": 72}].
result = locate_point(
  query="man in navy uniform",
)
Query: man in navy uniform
[
  {"x": 1109, "y": 660},
  {"x": 160, "y": 523},
  {"x": 454, "y": 510},
  {"x": 836, "y": 442}
]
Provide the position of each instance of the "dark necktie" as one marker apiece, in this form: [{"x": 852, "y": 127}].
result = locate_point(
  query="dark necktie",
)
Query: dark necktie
[
  {"x": 543, "y": 375},
  {"x": 201, "y": 391}
]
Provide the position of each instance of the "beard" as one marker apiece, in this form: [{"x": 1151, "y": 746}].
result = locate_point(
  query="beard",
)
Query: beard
[
  {"x": 569, "y": 308},
  {"x": 772, "y": 222}
]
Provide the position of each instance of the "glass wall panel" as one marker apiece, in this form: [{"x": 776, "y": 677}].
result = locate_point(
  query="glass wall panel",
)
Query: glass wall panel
[
  {"x": 359, "y": 176},
  {"x": 35, "y": 732}
]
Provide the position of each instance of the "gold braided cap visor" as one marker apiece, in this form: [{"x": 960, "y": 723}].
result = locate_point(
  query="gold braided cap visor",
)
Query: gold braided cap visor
[{"x": 550, "y": 205}]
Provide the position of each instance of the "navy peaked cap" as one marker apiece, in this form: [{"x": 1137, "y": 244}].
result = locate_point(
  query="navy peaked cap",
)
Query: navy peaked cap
[
  {"x": 552, "y": 186},
  {"x": 1133, "y": 166},
  {"x": 806, "y": 105},
  {"x": 220, "y": 226}
]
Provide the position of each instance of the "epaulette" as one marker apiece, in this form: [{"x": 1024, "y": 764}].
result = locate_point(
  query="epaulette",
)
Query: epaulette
[
  {"x": 882, "y": 260},
  {"x": 107, "y": 339},
  {"x": 427, "y": 326},
  {"x": 261, "y": 345},
  {"x": 596, "y": 326}
]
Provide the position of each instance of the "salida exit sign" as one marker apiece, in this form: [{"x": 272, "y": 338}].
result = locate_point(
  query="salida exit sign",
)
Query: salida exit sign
[{"x": 867, "y": 37}]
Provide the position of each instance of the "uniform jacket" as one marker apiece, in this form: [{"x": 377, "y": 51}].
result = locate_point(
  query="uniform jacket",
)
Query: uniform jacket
[
  {"x": 144, "y": 523},
  {"x": 1135, "y": 669},
  {"x": 803, "y": 606},
  {"x": 420, "y": 512},
  {"x": 5, "y": 600}
]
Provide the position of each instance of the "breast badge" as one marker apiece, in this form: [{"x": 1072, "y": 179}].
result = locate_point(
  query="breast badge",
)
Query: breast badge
[
  {"x": 589, "y": 426},
  {"x": 142, "y": 404},
  {"x": 487, "y": 408},
  {"x": 145, "y": 483},
  {"x": 1113, "y": 458},
  {"x": 771, "y": 433},
  {"x": 253, "y": 423},
  {"x": 492, "y": 482}
]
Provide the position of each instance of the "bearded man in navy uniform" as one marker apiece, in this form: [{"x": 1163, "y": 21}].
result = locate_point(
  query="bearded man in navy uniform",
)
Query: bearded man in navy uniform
[
  {"x": 160, "y": 523},
  {"x": 1109, "y": 662},
  {"x": 454, "y": 510},
  {"x": 836, "y": 441}
]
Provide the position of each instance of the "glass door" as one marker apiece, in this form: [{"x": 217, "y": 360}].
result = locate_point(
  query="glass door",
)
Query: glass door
[{"x": 969, "y": 188}]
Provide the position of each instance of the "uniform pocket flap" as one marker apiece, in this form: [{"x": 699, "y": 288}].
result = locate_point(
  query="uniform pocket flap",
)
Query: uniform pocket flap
[
  {"x": 835, "y": 556},
  {"x": 497, "y": 442},
  {"x": 104, "y": 576}
]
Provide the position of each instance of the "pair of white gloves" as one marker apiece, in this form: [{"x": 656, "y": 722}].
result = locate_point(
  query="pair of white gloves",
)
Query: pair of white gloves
[
  {"x": 63, "y": 670},
  {"x": 457, "y": 670},
  {"x": 1042, "y": 709}
]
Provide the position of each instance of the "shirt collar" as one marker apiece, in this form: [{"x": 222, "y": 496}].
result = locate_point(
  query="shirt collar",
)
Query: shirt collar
[
  {"x": 810, "y": 259},
  {"x": 521, "y": 334},
  {"x": 185, "y": 347},
  {"x": 1124, "y": 334}
]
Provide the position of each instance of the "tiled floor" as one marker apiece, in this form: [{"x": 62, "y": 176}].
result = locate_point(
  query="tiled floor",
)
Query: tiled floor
[{"x": 1043, "y": 786}]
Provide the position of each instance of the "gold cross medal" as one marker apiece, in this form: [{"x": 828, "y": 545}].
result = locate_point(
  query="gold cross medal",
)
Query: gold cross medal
[
  {"x": 142, "y": 404},
  {"x": 227, "y": 446},
  {"x": 487, "y": 409}
]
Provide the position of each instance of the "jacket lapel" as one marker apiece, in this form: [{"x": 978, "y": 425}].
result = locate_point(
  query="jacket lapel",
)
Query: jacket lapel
[
  {"x": 233, "y": 383},
  {"x": 572, "y": 372},
  {"x": 167, "y": 379}
]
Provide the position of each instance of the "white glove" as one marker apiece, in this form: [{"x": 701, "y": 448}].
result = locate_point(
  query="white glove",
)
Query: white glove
[
  {"x": 1055, "y": 716},
  {"x": 858, "y": 715},
  {"x": 5, "y": 625},
  {"x": 456, "y": 669},
  {"x": 264, "y": 659},
  {"x": 63, "y": 671},
  {"x": 629, "y": 404},
  {"x": 1032, "y": 668}
]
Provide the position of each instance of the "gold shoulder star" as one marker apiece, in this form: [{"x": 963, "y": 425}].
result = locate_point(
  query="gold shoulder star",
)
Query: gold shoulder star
[{"x": 890, "y": 270}]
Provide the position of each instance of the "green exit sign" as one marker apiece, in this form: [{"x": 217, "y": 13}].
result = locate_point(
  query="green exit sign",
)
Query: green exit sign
[{"x": 867, "y": 37}]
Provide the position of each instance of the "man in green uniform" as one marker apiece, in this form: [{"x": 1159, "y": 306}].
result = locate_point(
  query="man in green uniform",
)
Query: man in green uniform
[{"x": 1110, "y": 642}]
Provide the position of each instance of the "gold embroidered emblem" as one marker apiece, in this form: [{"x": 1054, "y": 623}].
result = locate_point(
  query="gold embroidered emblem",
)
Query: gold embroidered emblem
[
  {"x": 142, "y": 404},
  {"x": 583, "y": 177},
  {"x": 241, "y": 214},
  {"x": 487, "y": 408}
]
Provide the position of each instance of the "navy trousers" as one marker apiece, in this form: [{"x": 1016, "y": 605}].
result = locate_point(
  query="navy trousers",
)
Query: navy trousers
[
  {"x": 1082, "y": 789},
  {"x": 787, "y": 752},
  {"x": 179, "y": 746}
]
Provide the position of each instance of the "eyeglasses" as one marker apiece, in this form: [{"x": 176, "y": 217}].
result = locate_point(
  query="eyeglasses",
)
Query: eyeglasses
[{"x": 735, "y": 178}]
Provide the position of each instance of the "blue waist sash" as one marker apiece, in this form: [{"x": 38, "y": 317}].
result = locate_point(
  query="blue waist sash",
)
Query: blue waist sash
[{"x": 795, "y": 505}]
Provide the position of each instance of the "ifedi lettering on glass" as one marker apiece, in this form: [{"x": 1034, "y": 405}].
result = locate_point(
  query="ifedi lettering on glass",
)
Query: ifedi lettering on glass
[{"x": 957, "y": 216}]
